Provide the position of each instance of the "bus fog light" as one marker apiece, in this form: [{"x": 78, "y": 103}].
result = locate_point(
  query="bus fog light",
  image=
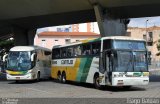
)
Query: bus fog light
[
  {"x": 120, "y": 82},
  {"x": 145, "y": 80}
]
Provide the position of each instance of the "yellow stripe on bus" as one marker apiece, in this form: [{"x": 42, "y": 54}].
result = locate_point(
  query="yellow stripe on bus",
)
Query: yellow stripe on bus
[{"x": 71, "y": 71}]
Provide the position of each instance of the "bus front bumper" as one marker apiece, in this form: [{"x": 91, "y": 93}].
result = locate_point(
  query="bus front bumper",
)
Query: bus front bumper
[
  {"x": 129, "y": 81},
  {"x": 28, "y": 76}
]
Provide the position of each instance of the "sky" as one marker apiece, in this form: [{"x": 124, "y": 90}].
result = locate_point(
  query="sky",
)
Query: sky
[
  {"x": 141, "y": 22},
  {"x": 134, "y": 22}
]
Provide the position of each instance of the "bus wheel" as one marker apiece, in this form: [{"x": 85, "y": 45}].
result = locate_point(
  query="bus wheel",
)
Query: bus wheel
[
  {"x": 127, "y": 87},
  {"x": 63, "y": 77},
  {"x": 38, "y": 77},
  {"x": 17, "y": 81},
  {"x": 59, "y": 77},
  {"x": 96, "y": 82}
]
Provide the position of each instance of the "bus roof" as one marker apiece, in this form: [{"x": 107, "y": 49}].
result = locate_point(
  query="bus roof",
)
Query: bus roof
[
  {"x": 122, "y": 38},
  {"x": 98, "y": 39},
  {"x": 28, "y": 48}
]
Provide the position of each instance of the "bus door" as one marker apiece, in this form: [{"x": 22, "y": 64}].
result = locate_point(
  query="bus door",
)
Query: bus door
[
  {"x": 109, "y": 65},
  {"x": 106, "y": 65}
]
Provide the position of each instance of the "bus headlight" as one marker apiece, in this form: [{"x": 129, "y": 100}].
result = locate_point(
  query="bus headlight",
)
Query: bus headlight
[
  {"x": 29, "y": 71},
  {"x": 145, "y": 73}
]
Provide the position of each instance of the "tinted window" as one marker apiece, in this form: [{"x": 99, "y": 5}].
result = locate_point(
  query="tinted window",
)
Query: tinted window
[
  {"x": 96, "y": 48},
  {"x": 56, "y": 53},
  {"x": 86, "y": 50},
  {"x": 107, "y": 44}
]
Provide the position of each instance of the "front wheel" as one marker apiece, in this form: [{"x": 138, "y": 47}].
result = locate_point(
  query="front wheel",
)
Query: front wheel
[
  {"x": 38, "y": 77},
  {"x": 127, "y": 87},
  {"x": 17, "y": 81}
]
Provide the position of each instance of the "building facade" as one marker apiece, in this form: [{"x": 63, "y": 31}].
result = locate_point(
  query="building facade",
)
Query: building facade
[
  {"x": 50, "y": 39},
  {"x": 82, "y": 27},
  {"x": 151, "y": 35}
]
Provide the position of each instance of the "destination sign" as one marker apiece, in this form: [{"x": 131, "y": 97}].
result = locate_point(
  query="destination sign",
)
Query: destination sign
[{"x": 137, "y": 45}]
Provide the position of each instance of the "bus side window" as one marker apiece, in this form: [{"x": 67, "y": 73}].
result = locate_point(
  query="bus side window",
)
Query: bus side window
[
  {"x": 77, "y": 50},
  {"x": 47, "y": 53},
  {"x": 96, "y": 48},
  {"x": 70, "y": 51},
  {"x": 63, "y": 52},
  {"x": 86, "y": 49},
  {"x": 56, "y": 53}
]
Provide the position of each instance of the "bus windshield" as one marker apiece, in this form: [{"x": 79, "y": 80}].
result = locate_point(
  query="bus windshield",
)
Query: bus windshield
[
  {"x": 124, "y": 61},
  {"x": 19, "y": 61},
  {"x": 130, "y": 61},
  {"x": 140, "y": 61}
]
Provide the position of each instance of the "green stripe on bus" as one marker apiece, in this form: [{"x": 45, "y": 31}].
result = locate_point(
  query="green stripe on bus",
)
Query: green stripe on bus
[
  {"x": 95, "y": 40},
  {"x": 86, "y": 69},
  {"x": 81, "y": 67}
]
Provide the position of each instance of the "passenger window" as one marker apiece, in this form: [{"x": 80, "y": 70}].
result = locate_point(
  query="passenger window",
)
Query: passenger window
[
  {"x": 86, "y": 49},
  {"x": 77, "y": 50},
  {"x": 63, "y": 52},
  {"x": 47, "y": 53},
  {"x": 56, "y": 53},
  {"x": 70, "y": 51},
  {"x": 96, "y": 48}
]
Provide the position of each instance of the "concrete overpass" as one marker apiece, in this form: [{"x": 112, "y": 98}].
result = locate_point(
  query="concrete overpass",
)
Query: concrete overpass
[{"x": 23, "y": 17}]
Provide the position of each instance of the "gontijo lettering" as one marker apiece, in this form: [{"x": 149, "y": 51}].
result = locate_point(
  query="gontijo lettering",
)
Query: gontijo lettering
[{"x": 67, "y": 62}]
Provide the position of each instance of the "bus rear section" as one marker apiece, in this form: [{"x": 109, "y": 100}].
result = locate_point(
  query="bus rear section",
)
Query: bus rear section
[{"x": 28, "y": 63}]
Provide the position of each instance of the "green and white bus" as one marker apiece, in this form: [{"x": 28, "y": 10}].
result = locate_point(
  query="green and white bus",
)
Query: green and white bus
[
  {"x": 28, "y": 63},
  {"x": 114, "y": 61}
]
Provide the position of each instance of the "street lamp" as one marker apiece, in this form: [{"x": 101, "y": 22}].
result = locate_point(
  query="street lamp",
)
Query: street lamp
[{"x": 146, "y": 31}]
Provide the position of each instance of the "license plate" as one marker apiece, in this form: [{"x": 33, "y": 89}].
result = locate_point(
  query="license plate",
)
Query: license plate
[{"x": 17, "y": 77}]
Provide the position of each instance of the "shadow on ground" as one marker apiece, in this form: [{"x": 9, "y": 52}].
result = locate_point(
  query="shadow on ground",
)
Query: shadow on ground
[
  {"x": 30, "y": 81},
  {"x": 2, "y": 77},
  {"x": 104, "y": 88}
]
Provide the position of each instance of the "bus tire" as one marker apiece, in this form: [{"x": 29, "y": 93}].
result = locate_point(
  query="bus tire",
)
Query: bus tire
[
  {"x": 63, "y": 77},
  {"x": 17, "y": 81},
  {"x": 127, "y": 87},
  {"x": 96, "y": 82},
  {"x": 38, "y": 77},
  {"x": 59, "y": 76}
]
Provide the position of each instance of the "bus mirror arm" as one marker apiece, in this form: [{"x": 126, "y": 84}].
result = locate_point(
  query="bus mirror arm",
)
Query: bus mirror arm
[
  {"x": 101, "y": 66},
  {"x": 5, "y": 57},
  {"x": 32, "y": 56}
]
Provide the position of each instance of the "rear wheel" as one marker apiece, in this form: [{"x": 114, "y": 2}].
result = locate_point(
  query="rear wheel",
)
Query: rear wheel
[
  {"x": 63, "y": 77},
  {"x": 59, "y": 77},
  {"x": 96, "y": 82}
]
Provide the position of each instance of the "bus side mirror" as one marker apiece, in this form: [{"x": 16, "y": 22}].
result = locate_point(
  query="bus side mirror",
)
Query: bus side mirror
[
  {"x": 33, "y": 56},
  {"x": 5, "y": 57}
]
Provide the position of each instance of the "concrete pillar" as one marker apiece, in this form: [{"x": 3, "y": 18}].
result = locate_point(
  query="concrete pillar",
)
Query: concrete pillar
[
  {"x": 108, "y": 25},
  {"x": 24, "y": 36}
]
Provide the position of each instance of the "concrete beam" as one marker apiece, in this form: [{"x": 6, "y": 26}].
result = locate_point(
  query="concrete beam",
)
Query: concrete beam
[
  {"x": 108, "y": 24},
  {"x": 24, "y": 36}
]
